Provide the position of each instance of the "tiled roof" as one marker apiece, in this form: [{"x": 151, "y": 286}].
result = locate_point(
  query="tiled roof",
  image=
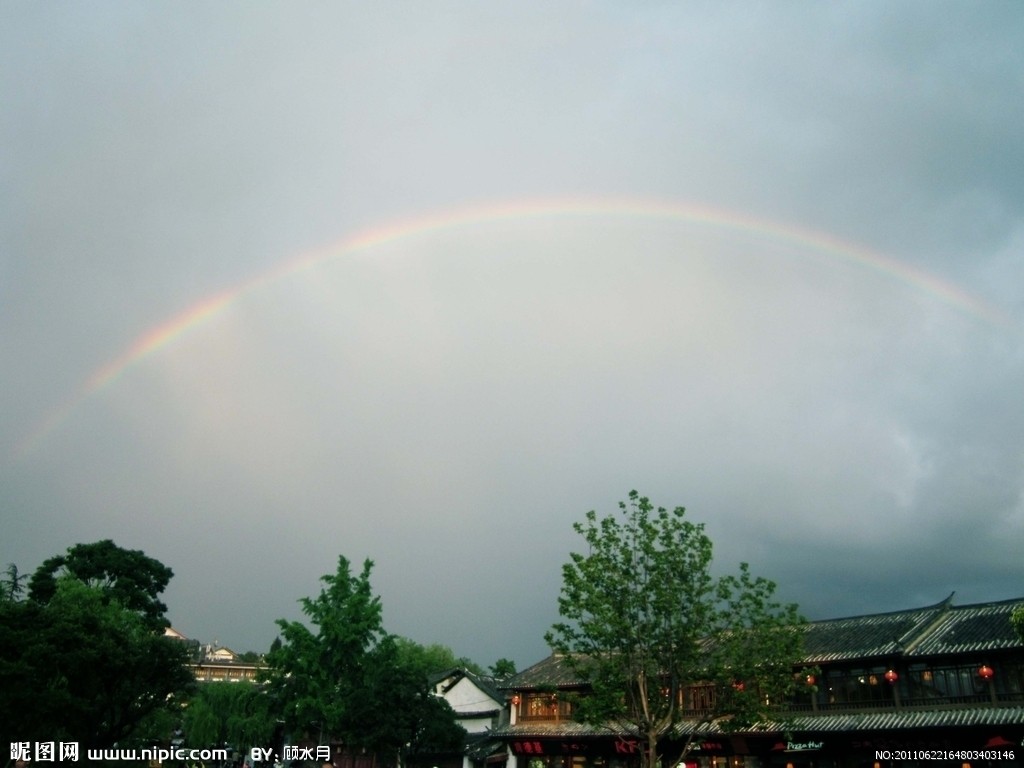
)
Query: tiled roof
[
  {"x": 888, "y": 720},
  {"x": 862, "y": 637},
  {"x": 892, "y": 720},
  {"x": 553, "y": 672},
  {"x": 938, "y": 630},
  {"x": 969, "y": 628},
  {"x": 478, "y": 713},
  {"x": 481, "y": 746},
  {"x": 543, "y": 728},
  {"x": 486, "y": 684}
]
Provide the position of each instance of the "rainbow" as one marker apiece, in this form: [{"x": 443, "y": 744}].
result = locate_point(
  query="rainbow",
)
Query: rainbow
[{"x": 155, "y": 339}]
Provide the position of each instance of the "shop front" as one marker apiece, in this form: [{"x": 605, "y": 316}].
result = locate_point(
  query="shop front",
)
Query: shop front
[{"x": 575, "y": 752}]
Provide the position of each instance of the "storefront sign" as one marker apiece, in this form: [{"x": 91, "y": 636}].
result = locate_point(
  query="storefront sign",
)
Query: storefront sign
[
  {"x": 804, "y": 746},
  {"x": 567, "y": 747},
  {"x": 710, "y": 746}
]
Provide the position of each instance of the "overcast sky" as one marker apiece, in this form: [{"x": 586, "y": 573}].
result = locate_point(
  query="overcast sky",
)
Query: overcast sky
[{"x": 425, "y": 282}]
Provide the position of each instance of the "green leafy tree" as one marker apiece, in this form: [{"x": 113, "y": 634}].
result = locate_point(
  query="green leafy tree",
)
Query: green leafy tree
[
  {"x": 346, "y": 679},
  {"x": 433, "y": 658},
  {"x": 128, "y": 577},
  {"x": 81, "y": 667},
  {"x": 237, "y": 713},
  {"x": 28, "y": 706},
  {"x": 417, "y": 723},
  {"x": 12, "y": 587},
  {"x": 645, "y": 622},
  {"x": 503, "y": 669},
  {"x": 1017, "y": 619},
  {"x": 319, "y": 675}
]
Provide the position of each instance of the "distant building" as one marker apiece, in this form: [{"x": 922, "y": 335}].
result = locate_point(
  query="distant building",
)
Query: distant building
[{"x": 216, "y": 663}]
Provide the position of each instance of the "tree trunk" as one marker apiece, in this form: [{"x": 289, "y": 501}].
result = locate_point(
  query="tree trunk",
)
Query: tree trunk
[{"x": 651, "y": 757}]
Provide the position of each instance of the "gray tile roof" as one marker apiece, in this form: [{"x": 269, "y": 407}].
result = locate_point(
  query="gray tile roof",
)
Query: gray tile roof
[
  {"x": 969, "y": 628},
  {"x": 872, "y": 720},
  {"x": 485, "y": 683},
  {"x": 865, "y": 637},
  {"x": 553, "y": 672},
  {"x": 895, "y": 720},
  {"x": 542, "y": 729},
  {"x": 934, "y": 631}
]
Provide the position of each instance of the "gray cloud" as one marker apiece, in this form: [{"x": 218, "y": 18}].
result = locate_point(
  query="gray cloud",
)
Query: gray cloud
[{"x": 447, "y": 403}]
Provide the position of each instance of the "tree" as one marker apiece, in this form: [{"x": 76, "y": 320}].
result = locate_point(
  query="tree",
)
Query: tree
[
  {"x": 348, "y": 680},
  {"x": 417, "y": 723},
  {"x": 433, "y": 658},
  {"x": 237, "y": 713},
  {"x": 503, "y": 669},
  {"x": 645, "y": 622},
  {"x": 320, "y": 677},
  {"x": 82, "y": 668},
  {"x": 1017, "y": 620},
  {"x": 13, "y": 584},
  {"x": 126, "y": 576},
  {"x": 84, "y": 656}
]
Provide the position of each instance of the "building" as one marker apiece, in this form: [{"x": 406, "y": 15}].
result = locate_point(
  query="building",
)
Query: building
[
  {"x": 215, "y": 663},
  {"x": 940, "y": 681},
  {"x": 479, "y": 707},
  {"x": 219, "y": 664}
]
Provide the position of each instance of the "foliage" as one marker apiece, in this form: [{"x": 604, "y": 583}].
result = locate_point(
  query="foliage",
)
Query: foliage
[
  {"x": 503, "y": 669},
  {"x": 1017, "y": 620},
  {"x": 432, "y": 659},
  {"x": 321, "y": 677},
  {"x": 12, "y": 586},
  {"x": 237, "y": 713},
  {"x": 418, "y": 722},
  {"x": 350, "y": 681},
  {"x": 127, "y": 577},
  {"x": 645, "y": 621},
  {"x": 81, "y": 667}
]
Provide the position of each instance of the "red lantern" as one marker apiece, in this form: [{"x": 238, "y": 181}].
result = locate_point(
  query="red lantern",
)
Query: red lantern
[
  {"x": 985, "y": 672},
  {"x": 515, "y": 700},
  {"x": 891, "y": 676},
  {"x": 811, "y": 680}
]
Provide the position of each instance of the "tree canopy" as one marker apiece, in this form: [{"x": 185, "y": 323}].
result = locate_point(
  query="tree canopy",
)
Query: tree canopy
[
  {"x": 237, "y": 713},
  {"x": 645, "y": 623},
  {"x": 432, "y": 659},
  {"x": 347, "y": 680},
  {"x": 502, "y": 669},
  {"x": 320, "y": 674},
  {"x": 77, "y": 664},
  {"x": 126, "y": 576}
]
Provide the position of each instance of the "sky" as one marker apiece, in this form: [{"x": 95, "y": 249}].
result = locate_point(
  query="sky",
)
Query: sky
[{"x": 425, "y": 282}]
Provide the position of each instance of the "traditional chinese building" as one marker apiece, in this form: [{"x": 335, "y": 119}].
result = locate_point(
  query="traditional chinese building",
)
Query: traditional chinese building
[
  {"x": 479, "y": 708},
  {"x": 942, "y": 680}
]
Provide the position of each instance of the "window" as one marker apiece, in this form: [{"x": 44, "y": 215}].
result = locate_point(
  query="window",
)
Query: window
[
  {"x": 699, "y": 698},
  {"x": 946, "y": 682},
  {"x": 858, "y": 686},
  {"x": 546, "y": 706}
]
